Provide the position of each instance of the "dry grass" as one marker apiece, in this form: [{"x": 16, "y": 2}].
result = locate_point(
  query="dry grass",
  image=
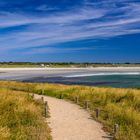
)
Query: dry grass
[
  {"x": 121, "y": 106},
  {"x": 21, "y": 117}
]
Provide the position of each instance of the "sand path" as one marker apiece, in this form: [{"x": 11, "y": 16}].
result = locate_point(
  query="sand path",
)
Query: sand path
[{"x": 70, "y": 122}]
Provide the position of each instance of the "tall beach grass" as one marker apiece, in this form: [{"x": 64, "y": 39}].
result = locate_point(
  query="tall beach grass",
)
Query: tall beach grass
[
  {"x": 21, "y": 117},
  {"x": 117, "y": 106}
]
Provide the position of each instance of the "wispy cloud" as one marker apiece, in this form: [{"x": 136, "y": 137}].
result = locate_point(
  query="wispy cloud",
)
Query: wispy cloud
[
  {"x": 90, "y": 20},
  {"x": 52, "y": 50}
]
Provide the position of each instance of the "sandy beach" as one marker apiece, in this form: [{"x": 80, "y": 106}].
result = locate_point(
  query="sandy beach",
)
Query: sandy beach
[
  {"x": 88, "y": 68},
  {"x": 26, "y": 73}
]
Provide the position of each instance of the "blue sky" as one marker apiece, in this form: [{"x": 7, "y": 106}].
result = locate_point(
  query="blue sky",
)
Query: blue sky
[{"x": 70, "y": 30}]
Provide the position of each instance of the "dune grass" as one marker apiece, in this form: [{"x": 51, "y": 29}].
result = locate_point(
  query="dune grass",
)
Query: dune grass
[
  {"x": 121, "y": 106},
  {"x": 21, "y": 117}
]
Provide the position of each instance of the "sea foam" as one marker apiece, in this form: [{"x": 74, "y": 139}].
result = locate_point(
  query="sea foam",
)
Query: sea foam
[{"x": 101, "y": 74}]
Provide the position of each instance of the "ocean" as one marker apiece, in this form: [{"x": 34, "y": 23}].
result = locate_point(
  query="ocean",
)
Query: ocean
[{"x": 118, "y": 80}]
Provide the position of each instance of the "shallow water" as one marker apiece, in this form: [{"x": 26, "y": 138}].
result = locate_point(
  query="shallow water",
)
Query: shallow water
[
  {"x": 115, "y": 80},
  {"x": 110, "y": 77},
  {"x": 124, "y": 81}
]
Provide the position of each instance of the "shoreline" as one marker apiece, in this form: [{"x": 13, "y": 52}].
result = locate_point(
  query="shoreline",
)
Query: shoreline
[
  {"x": 129, "y": 76},
  {"x": 88, "y": 68}
]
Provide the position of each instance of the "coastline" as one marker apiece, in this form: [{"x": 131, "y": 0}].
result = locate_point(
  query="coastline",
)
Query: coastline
[
  {"x": 101, "y": 76},
  {"x": 87, "y": 68}
]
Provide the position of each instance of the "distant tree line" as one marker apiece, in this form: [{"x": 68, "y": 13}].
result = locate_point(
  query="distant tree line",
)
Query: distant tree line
[{"x": 64, "y": 63}]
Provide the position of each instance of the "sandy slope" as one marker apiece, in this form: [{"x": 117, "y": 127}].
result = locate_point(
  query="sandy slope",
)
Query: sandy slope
[{"x": 69, "y": 122}]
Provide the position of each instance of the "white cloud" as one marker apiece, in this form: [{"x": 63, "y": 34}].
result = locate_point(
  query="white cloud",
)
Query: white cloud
[
  {"x": 44, "y": 7},
  {"x": 77, "y": 24}
]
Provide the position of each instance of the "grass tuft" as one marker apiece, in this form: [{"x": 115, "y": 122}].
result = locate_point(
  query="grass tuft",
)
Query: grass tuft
[{"x": 21, "y": 117}]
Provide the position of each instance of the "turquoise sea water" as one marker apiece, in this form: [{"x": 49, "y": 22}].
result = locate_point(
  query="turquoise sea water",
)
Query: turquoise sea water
[{"x": 131, "y": 81}]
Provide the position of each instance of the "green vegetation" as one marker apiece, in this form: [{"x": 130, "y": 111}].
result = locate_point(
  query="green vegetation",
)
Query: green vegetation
[
  {"x": 64, "y": 65},
  {"x": 121, "y": 106},
  {"x": 19, "y": 64},
  {"x": 21, "y": 117}
]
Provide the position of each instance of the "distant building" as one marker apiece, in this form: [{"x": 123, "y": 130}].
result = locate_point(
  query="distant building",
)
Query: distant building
[{"x": 42, "y": 65}]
